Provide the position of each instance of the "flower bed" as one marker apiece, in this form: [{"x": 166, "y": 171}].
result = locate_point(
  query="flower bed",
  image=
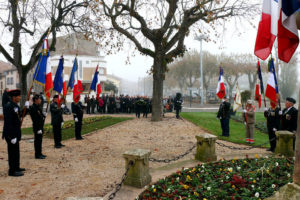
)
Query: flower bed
[{"x": 245, "y": 179}]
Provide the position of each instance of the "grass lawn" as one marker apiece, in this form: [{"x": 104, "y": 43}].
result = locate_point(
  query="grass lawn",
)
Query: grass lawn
[
  {"x": 209, "y": 122},
  {"x": 68, "y": 133}
]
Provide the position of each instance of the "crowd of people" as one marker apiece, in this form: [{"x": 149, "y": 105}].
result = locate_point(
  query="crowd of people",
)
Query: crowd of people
[{"x": 276, "y": 118}]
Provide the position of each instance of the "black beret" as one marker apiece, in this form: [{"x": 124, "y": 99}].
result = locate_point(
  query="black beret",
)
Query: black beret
[
  {"x": 290, "y": 99},
  {"x": 35, "y": 97},
  {"x": 14, "y": 93},
  {"x": 55, "y": 96}
]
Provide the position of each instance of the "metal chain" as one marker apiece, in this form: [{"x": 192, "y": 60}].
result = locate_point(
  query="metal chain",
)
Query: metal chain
[
  {"x": 243, "y": 148},
  {"x": 175, "y": 158},
  {"x": 113, "y": 195}
]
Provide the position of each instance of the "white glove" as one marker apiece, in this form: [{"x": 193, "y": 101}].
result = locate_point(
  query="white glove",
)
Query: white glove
[
  {"x": 245, "y": 123},
  {"x": 266, "y": 109},
  {"x": 45, "y": 114},
  {"x": 76, "y": 119},
  {"x": 63, "y": 106},
  {"x": 62, "y": 124},
  {"x": 280, "y": 112},
  {"x": 244, "y": 111},
  {"x": 27, "y": 104},
  {"x": 274, "y": 129},
  {"x": 14, "y": 141},
  {"x": 40, "y": 132}
]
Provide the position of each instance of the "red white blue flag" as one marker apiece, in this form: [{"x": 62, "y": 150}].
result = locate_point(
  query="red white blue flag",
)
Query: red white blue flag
[
  {"x": 272, "y": 87},
  {"x": 259, "y": 89},
  {"x": 277, "y": 20},
  {"x": 96, "y": 83},
  {"x": 75, "y": 83},
  {"x": 221, "y": 90}
]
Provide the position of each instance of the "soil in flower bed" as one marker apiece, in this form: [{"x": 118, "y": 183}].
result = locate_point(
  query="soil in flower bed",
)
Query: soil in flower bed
[{"x": 244, "y": 179}]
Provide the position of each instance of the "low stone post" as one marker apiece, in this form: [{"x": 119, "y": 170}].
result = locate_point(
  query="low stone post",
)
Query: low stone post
[
  {"x": 206, "y": 148},
  {"x": 138, "y": 174},
  {"x": 284, "y": 143}
]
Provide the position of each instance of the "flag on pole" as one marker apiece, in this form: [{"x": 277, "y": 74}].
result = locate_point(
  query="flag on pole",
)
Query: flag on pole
[
  {"x": 42, "y": 74},
  {"x": 96, "y": 82},
  {"x": 237, "y": 99},
  {"x": 272, "y": 87},
  {"x": 74, "y": 83},
  {"x": 277, "y": 20},
  {"x": 58, "y": 79},
  {"x": 221, "y": 91},
  {"x": 259, "y": 89}
]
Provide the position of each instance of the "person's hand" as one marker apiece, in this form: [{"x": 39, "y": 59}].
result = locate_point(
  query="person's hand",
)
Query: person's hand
[
  {"x": 40, "y": 132},
  {"x": 27, "y": 104},
  {"x": 266, "y": 109},
  {"x": 280, "y": 112},
  {"x": 76, "y": 119},
  {"x": 45, "y": 114},
  {"x": 62, "y": 106},
  {"x": 62, "y": 124},
  {"x": 244, "y": 111},
  {"x": 14, "y": 141},
  {"x": 274, "y": 129},
  {"x": 245, "y": 123}
]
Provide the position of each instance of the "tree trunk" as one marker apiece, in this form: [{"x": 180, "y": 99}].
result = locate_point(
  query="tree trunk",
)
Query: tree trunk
[
  {"x": 23, "y": 85},
  {"x": 158, "y": 81},
  {"x": 296, "y": 177}
]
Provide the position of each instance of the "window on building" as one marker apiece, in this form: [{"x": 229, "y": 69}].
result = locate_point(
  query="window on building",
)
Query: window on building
[
  {"x": 8, "y": 81},
  {"x": 80, "y": 70},
  {"x": 12, "y": 80}
]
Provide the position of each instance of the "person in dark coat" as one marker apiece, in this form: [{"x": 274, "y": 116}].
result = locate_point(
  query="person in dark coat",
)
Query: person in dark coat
[
  {"x": 289, "y": 117},
  {"x": 178, "y": 104},
  {"x": 77, "y": 110},
  {"x": 273, "y": 124},
  {"x": 5, "y": 97},
  {"x": 93, "y": 104},
  {"x": 38, "y": 119},
  {"x": 57, "y": 121},
  {"x": 224, "y": 116},
  {"x": 12, "y": 132},
  {"x": 139, "y": 103}
]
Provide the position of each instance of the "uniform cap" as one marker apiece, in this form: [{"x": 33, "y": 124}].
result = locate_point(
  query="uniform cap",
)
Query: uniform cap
[
  {"x": 35, "y": 97},
  {"x": 55, "y": 96},
  {"x": 290, "y": 99},
  {"x": 14, "y": 93},
  {"x": 249, "y": 101}
]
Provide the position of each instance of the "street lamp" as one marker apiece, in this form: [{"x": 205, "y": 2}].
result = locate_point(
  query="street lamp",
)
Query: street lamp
[{"x": 200, "y": 38}]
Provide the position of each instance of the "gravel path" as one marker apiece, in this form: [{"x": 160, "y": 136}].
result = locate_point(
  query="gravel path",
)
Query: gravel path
[{"x": 92, "y": 166}]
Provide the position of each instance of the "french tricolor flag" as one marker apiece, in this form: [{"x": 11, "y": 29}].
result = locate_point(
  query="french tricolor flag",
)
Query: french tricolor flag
[
  {"x": 48, "y": 80},
  {"x": 272, "y": 87},
  {"x": 96, "y": 83},
  {"x": 221, "y": 91},
  {"x": 75, "y": 83},
  {"x": 277, "y": 20}
]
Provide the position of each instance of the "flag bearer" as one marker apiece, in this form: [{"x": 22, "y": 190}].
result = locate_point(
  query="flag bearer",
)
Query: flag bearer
[
  {"x": 273, "y": 124},
  {"x": 224, "y": 116},
  {"x": 77, "y": 110},
  {"x": 57, "y": 121}
]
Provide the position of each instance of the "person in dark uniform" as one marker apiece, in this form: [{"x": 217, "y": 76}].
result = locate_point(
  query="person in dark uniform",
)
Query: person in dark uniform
[
  {"x": 38, "y": 119},
  {"x": 178, "y": 104},
  {"x": 93, "y": 104},
  {"x": 139, "y": 106},
  {"x": 224, "y": 116},
  {"x": 77, "y": 110},
  {"x": 12, "y": 132},
  {"x": 273, "y": 124},
  {"x": 289, "y": 117},
  {"x": 57, "y": 121}
]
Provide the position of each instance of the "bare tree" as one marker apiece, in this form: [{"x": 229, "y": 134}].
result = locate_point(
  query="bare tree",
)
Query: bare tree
[
  {"x": 159, "y": 28},
  {"x": 26, "y": 23}
]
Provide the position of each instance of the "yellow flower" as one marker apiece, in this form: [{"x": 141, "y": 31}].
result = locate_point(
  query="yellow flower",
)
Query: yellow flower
[
  {"x": 204, "y": 199},
  {"x": 198, "y": 175},
  {"x": 221, "y": 169},
  {"x": 233, "y": 186},
  {"x": 245, "y": 161},
  {"x": 254, "y": 181},
  {"x": 256, "y": 156},
  {"x": 196, "y": 194},
  {"x": 194, "y": 169},
  {"x": 154, "y": 190},
  {"x": 186, "y": 187},
  {"x": 232, "y": 161},
  {"x": 268, "y": 171},
  {"x": 188, "y": 177}
]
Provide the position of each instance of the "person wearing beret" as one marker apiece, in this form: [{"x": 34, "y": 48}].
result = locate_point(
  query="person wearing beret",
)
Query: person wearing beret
[
  {"x": 77, "y": 110},
  {"x": 38, "y": 119},
  {"x": 249, "y": 121},
  {"x": 12, "y": 131},
  {"x": 57, "y": 121},
  {"x": 273, "y": 124},
  {"x": 224, "y": 116},
  {"x": 289, "y": 117}
]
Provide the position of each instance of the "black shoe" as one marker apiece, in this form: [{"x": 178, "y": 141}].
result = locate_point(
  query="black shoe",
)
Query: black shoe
[
  {"x": 62, "y": 145},
  {"x": 269, "y": 149},
  {"x": 79, "y": 138},
  {"x": 21, "y": 170},
  {"x": 16, "y": 173},
  {"x": 43, "y": 155},
  {"x": 40, "y": 157},
  {"x": 57, "y": 146}
]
